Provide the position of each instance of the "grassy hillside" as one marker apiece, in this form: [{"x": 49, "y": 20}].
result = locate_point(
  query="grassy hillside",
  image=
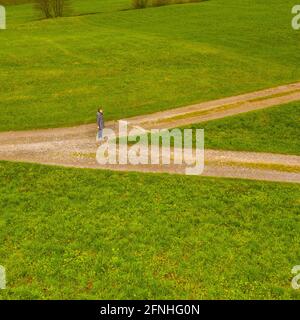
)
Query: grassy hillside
[
  {"x": 55, "y": 73},
  {"x": 272, "y": 130},
  {"x": 69, "y": 233}
]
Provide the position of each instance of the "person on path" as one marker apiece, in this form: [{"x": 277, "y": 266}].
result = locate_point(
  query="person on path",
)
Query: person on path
[{"x": 100, "y": 124}]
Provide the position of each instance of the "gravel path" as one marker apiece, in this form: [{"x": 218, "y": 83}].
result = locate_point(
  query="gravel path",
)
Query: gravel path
[{"x": 76, "y": 147}]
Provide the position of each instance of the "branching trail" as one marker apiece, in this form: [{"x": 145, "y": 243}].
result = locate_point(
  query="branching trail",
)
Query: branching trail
[{"x": 76, "y": 146}]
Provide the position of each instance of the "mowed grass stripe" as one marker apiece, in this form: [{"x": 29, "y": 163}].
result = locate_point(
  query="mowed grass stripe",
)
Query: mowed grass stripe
[{"x": 274, "y": 130}]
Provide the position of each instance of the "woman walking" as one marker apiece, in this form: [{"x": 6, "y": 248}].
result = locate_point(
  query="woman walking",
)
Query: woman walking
[{"x": 100, "y": 124}]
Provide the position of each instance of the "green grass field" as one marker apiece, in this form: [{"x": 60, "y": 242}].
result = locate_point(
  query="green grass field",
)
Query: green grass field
[
  {"x": 78, "y": 234},
  {"x": 55, "y": 73},
  {"x": 273, "y": 130},
  {"x": 93, "y": 234}
]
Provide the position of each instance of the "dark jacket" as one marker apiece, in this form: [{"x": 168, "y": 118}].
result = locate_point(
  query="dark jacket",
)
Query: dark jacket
[{"x": 100, "y": 120}]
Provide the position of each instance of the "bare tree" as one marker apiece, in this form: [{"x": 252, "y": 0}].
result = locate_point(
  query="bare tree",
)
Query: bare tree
[
  {"x": 52, "y": 8},
  {"x": 44, "y": 6}
]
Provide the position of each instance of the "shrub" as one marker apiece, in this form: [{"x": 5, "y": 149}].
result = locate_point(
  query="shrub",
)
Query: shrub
[
  {"x": 52, "y": 8},
  {"x": 44, "y": 7},
  {"x": 140, "y": 4},
  {"x": 158, "y": 3}
]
